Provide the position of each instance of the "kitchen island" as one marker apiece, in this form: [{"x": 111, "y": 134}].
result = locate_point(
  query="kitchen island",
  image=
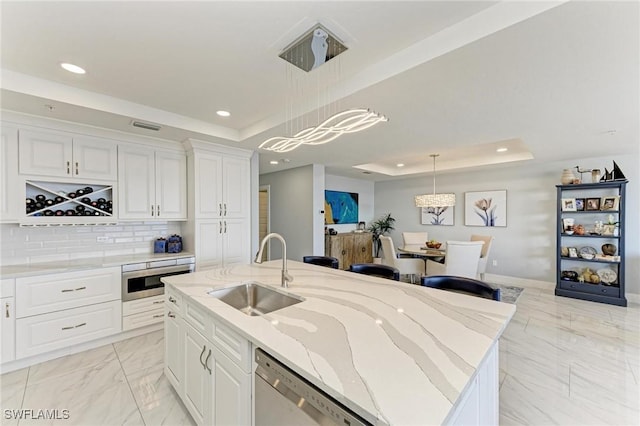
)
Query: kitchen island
[{"x": 393, "y": 353}]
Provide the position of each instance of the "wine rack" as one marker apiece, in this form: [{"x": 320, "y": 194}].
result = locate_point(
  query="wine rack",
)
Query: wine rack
[{"x": 69, "y": 203}]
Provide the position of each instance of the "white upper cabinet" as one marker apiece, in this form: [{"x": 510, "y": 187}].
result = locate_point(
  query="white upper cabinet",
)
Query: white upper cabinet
[
  {"x": 60, "y": 154},
  {"x": 8, "y": 174},
  {"x": 222, "y": 186},
  {"x": 151, "y": 184}
]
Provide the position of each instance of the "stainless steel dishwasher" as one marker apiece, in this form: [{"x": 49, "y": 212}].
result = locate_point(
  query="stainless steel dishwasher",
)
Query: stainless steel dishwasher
[{"x": 283, "y": 398}]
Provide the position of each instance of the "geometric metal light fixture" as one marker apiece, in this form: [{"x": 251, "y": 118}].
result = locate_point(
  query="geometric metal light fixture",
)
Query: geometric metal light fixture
[
  {"x": 311, "y": 50},
  {"x": 435, "y": 200}
]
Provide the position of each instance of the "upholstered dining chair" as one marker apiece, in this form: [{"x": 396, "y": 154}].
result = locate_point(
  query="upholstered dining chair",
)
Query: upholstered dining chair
[
  {"x": 376, "y": 270},
  {"x": 407, "y": 266},
  {"x": 415, "y": 238},
  {"x": 461, "y": 259},
  {"x": 462, "y": 285},
  {"x": 484, "y": 254},
  {"x": 328, "y": 261}
]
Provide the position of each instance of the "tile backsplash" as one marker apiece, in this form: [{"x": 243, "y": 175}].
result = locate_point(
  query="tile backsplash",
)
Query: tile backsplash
[{"x": 21, "y": 245}]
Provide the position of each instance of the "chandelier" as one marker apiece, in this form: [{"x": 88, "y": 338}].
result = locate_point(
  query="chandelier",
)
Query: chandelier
[
  {"x": 435, "y": 200},
  {"x": 311, "y": 50}
]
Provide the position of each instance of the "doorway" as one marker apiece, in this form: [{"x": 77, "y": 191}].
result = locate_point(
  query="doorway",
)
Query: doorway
[{"x": 263, "y": 219}]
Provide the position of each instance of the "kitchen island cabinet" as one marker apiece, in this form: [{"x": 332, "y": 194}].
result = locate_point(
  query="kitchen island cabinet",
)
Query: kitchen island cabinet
[{"x": 381, "y": 350}]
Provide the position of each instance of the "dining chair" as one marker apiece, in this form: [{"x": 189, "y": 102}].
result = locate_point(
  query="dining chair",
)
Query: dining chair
[
  {"x": 406, "y": 266},
  {"x": 328, "y": 261},
  {"x": 484, "y": 254},
  {"x": 461, "y": 259},
  {"x": 376, "y": 270},
  {"x": 462, "y": 285},
  {"x": 414, "y": 238}
]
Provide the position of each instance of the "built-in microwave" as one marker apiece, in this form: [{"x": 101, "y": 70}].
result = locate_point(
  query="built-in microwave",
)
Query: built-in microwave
[{"x": 143, "y": 279}]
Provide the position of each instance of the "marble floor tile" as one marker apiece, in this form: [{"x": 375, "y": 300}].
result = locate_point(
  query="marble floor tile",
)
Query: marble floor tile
[
  {"x": 71, "y": 363},
  {"x": 139, "y": 353},
  {"x": 149, "y": 385},
  {"x": 94, "y": 395},
  {"x": 12, "y": 387},
  {"x": 167, "y": 411}
]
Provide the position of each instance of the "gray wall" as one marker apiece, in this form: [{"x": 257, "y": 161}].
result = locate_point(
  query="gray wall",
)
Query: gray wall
[
  {"x": 526, "y": 247},
  {"x": 292, "y": 210}
]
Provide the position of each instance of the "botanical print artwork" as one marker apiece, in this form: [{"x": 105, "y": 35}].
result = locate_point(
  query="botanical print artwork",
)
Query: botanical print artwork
[
  {"x": 485, "y": 208},
  {"x": 437, "y": 216}
]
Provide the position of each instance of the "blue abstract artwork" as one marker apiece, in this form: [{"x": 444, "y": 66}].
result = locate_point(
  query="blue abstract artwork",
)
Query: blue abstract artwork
[{"x": 340, "y": 207}]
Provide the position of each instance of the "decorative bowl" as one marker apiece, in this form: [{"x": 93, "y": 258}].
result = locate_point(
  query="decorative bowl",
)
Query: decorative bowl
[
  {"x": 568, "y": 232},
  {"x": 587, "y": 256},
  {"x": 609, "y": 249},
  {"x": 432, "y": 245}
]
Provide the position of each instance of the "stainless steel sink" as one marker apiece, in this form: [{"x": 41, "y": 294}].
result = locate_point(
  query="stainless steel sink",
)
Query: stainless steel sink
[{"x": 254, "y": 299}]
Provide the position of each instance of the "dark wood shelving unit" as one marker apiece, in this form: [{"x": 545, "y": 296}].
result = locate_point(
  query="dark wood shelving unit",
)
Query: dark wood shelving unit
[{"x": 612, "y": 293}]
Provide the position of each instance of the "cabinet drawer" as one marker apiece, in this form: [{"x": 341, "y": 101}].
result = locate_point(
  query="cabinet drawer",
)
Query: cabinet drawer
[
  {"x": 236, "y": 347},
  {"x": 591, "y": 288},
  {"x": 50, "y": 293},
  {"x": 173, "y": 300},
  {"x": 142, "y": 305},
  {"x": 141, "y": 319},
  {"x": 7, "y": 287},
  {"x": 198, "y": 318},
  {"x": 44, "y": 333}
]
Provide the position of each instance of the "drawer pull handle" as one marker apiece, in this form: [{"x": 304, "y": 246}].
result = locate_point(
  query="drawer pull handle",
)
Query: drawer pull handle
[
  {"x": 220, "y": 205},
  {"x": 68, "y": 167},
  {"x": 158, "y": 210},
  {"x": 76, "y": 168},
  {"x": 172, "y": 300},
  {"x": 204, "y": 348},
  {"x": 225, "y": 213},
  {"x": 6, "y": 306},
  {"x": 158, "y": 316},
  {"x": 171, "y": 315},
  {"x": 363, "y": 249},
  {"x": 67, "y": 290},
  {"x": 157, "y": 302},
  {"x": 206, "y": 362},
  {"x": 225, "y": 225},
  {"x": 74, "y": 326}
]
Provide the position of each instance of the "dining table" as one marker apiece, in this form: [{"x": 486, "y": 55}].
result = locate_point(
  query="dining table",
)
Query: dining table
[{"x": 423, "y": 252}]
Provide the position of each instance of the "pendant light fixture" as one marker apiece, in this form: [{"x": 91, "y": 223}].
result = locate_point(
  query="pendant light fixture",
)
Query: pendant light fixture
[
  {"x": 435, "y": 200},
  {"x": 309, "y": 52}
]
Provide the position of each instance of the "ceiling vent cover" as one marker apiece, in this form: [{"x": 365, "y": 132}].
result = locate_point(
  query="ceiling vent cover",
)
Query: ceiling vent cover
[
  {"x": 148, "y": 126},
  {"x": 312, "y": 49}
]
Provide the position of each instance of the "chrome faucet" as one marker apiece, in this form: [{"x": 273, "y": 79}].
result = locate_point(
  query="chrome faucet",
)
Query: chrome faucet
[{"x": 286, "y": 278}]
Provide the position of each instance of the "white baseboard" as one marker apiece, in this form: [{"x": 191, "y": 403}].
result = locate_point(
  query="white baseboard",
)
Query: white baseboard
[
  {"x": 36, "y": 359},
  {"x": 518, "y": 282},
  {"x": 545, "y": 285}
]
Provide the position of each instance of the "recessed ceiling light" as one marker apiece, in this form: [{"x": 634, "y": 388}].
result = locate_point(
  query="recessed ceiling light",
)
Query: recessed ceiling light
[
  {"x": 400, "y": 165},
  {"x": 222, "y": 113},
  {"x": 502, "y": 150},
  {"x": 72, "y": 68},
  {"x": 274, "y": 162}
]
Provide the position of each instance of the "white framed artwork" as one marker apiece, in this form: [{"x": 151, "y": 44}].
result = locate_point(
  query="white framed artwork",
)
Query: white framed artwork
[
  {"x": 485, "y": 208},
  {"x": 442, "y": 216}
]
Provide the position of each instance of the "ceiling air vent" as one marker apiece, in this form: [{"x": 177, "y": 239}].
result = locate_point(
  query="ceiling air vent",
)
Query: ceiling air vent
[{"x": 148, "y": 126}]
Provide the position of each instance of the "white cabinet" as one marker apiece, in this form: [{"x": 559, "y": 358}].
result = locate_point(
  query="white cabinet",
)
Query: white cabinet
[
  {"x": 142, "y": 312},
  {"x": 197, "y": 381},
  {"x": 63, "y": 154},
  {"x": 7, "y": 321},
  {"x": 219, "y": 224},
  {"x": 55, "y": 311},
  {"x": 208, "y": 364},
  {"x": 152, "y": 184},
  {"x": 8, "y": 174},
  {"x": 221, "y": 242},
  {"x": 231, "y": 391},
  {"x": 221, "y": 186}
]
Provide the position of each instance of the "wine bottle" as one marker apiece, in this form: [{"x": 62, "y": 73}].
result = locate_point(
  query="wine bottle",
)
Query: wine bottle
[
  {"x": 30, "y": 202},
  {"x": 59, "y": 199},
  {"x": 79, "y": 192},
  {"x": 71, "y": 195},
  {"x": 101, "y": 200},
  {"x": 59, "y": 212},
  {"x": 70, "y": 212},
  {"x": 88, "y": 190},
  {"x": 39, "y": 205},
  {"x": 80, "y": 208},
  {"x": 49, "y": 202},
  {"x": 86, "y": 200},
  {"x": 40, "y": 198},
  {"x": 48, "y": 213},
  {"x": 87, "y": 213}
]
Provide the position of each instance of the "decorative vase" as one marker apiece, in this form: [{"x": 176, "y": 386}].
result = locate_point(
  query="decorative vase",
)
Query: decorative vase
[
  {"x": 567, "y": 177},
  {"x": 595, "y": 175}
]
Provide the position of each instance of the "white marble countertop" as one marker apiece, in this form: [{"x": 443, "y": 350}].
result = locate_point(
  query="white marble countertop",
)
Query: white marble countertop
[
  {"x": 33, "y": 269},
  {"x": 395, "y": 353}
]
